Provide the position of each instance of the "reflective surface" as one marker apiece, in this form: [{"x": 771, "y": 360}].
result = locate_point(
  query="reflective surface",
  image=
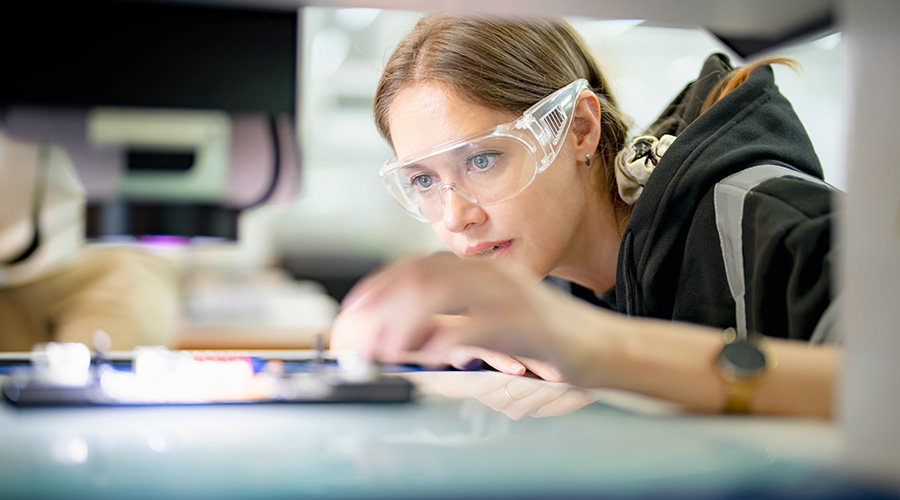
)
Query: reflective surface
[{"x": 467, "y": 433}]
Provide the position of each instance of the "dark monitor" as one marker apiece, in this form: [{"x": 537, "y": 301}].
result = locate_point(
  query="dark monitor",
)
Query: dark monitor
[
  {"x": 86, "y": 75},
  {"x": 149, "y": 54}
]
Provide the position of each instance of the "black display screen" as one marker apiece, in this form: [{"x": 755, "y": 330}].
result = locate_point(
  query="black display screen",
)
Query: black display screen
[{"x": 148, "y": 54}]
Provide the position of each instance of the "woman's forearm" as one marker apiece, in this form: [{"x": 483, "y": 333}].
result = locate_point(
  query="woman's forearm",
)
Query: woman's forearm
[
  {"x": 677, "y": 361},
  {"x": 803, "y": 381}
]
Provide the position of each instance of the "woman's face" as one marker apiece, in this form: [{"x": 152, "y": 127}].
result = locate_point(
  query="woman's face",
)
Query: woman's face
[{"x": 536, "y": 229}]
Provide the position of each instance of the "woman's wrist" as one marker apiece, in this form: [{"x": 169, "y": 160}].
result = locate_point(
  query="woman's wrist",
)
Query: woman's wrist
[
  {"x": 802, "y": 383},
  {"x": 669, "y": 360},
  {"x": 597, "y": 350}
]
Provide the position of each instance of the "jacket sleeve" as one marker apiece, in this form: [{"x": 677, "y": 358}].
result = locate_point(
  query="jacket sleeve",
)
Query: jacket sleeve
[{"x": 789, "y": 260}]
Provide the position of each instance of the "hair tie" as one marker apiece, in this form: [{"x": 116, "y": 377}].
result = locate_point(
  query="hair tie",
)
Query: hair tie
[{"x": 636, "y": 162}]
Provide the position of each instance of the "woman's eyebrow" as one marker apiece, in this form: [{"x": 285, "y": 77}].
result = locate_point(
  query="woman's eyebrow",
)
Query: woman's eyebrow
[
  {"x": 418, "y": 167},
  {"x": 413, "y": 166},
  {"x": 464, "y": 150}
]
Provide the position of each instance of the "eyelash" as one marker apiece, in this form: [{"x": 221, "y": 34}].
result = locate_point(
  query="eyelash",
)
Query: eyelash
[
  {"x": 490, "y": 155},
  {"x": 412, "y": 180}
]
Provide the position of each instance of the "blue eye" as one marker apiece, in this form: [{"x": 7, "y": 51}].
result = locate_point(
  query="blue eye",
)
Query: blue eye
[
  {"x": 422, "y": 181},
  {"x": 483, "y": 161}
]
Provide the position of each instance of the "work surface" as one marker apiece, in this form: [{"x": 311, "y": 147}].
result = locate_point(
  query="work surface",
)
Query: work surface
[{"x": 465, "y": 434}]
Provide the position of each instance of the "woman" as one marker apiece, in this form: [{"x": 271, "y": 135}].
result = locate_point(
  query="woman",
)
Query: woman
[{"x": 510, "y": 144}]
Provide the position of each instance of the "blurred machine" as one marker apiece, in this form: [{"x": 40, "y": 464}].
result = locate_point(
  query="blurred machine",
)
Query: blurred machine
[
  {"x": 176, "y": 117},
  {"x": 171, "y": 120}
]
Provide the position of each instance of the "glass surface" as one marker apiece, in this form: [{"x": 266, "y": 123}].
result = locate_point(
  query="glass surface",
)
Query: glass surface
[{"x": 467, "y": 433}]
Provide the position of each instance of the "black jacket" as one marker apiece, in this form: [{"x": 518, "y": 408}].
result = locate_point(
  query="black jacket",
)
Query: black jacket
[{"x": 670, "y": 261}]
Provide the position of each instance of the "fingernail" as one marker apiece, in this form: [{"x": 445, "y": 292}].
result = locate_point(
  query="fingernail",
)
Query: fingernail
[{"x": 517, "y": 368}]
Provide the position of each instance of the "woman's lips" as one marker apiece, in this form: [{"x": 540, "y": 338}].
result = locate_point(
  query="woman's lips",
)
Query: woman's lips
[{"x": 489, "y": 249}]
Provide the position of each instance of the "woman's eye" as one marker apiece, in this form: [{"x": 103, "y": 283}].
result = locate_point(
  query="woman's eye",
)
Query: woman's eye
[
  {"x": 422, "y": 181},
  {"x": 483, "y": 161}
]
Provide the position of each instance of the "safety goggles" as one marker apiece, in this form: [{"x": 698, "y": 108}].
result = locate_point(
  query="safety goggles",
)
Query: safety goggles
[{"x": 486, "y": 168}]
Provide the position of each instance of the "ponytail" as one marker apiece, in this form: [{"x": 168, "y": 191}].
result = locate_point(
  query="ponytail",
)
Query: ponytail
[{"x": 739, "y": 75}]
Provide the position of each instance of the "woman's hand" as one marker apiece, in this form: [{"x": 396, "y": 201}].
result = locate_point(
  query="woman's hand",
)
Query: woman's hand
[
  {"x": 454, "y": 311},
  {"x": 462, "y": 358},
  {"x": 348, "y": 333},
  {"x": 398, "y": 310}
]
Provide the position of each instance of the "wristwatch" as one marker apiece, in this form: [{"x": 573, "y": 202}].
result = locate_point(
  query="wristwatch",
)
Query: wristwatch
[{"x": 742, "y": 364}]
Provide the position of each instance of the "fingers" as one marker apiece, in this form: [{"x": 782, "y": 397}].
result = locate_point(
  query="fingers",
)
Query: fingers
[
  {"x": 405, "y": 307},
  {"x": 388, "y": 312},
  {"x": 398, "y": 305},
  {"x": 462, "y": 357},
  {"x": 511, "y": 332},
  {"x": 424, "y": 359},
  {"x": 542, "y": 369},
  {"x": 347, "y": 332}
]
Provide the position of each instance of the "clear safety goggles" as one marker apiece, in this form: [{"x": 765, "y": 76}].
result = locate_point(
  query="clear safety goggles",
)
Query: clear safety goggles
[{"x": 486, "y": 168}]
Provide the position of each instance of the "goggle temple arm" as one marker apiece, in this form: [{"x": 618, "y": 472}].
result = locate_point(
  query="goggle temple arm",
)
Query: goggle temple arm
[{"x": 549, "y": 119}]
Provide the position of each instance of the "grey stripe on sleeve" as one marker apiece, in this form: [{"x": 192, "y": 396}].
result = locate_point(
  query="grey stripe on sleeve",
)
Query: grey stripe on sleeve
[{"x": 729, "y": 195}]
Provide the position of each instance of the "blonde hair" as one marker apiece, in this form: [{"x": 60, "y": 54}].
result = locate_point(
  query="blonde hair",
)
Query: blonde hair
[{"x": 504, "y": 64}]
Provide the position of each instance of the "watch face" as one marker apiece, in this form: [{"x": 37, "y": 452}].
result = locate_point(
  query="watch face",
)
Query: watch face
[{"x": 743, "y": 357}]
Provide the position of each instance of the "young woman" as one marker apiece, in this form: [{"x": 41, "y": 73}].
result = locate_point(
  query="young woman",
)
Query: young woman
[{"x": 509, "y": 142}]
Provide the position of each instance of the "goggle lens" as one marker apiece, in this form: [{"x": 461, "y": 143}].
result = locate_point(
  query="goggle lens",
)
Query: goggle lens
[{"x": 485, "y": 171}]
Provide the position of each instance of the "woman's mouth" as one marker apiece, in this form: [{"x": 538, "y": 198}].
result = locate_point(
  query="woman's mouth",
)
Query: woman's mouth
[{"x": 494, "y": 249}]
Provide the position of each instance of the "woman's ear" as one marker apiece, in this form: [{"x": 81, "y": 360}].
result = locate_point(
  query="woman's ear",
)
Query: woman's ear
[{"x": 586, "y": 124}]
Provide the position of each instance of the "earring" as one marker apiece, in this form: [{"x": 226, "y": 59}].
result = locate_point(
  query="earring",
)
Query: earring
[{"x": 587, "y": 159}]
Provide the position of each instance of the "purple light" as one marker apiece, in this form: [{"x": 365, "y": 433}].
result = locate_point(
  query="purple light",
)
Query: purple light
[{"x": 165, "y": 240}]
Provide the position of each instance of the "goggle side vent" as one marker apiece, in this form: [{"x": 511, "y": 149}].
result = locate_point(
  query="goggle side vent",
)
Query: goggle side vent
[{"x": 554, "y": 121}]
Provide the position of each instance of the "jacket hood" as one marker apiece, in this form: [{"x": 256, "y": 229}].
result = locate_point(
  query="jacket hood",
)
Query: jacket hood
[{"x": 754, "y": 124}]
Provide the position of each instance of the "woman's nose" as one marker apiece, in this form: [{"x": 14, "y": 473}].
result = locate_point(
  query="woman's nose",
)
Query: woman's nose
[{"x": 459, "y": 212}]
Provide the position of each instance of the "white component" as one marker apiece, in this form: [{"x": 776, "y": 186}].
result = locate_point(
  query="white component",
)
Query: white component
[
  {"x": 63, "y": 363},
  {"x": 354, "y": 367}
]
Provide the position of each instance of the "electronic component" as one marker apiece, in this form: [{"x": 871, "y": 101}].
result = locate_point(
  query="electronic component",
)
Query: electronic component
[{"x": 69, "y": 374}]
